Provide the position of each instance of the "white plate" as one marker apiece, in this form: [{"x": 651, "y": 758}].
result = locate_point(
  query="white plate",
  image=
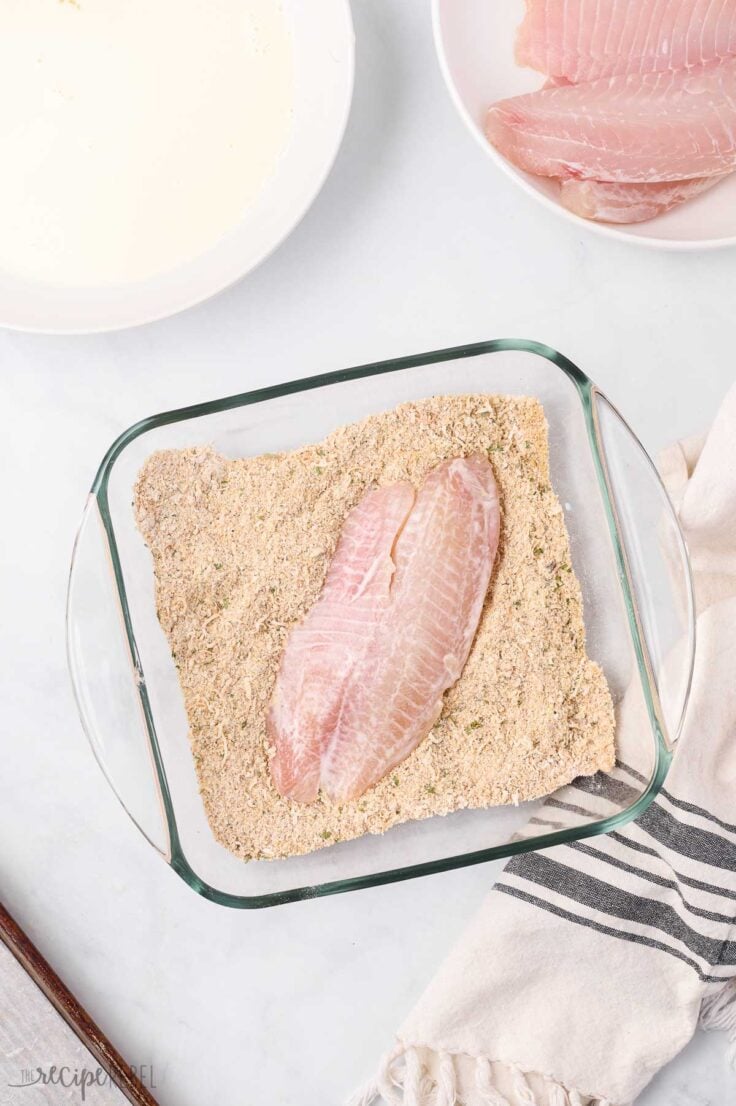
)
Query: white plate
[
  {"x": 475, "y": 44},
  {"x": 324, "y": 56}
]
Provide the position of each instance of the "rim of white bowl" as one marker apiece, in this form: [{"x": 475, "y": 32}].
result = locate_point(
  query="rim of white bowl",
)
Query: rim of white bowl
[
  {"x": 162, "y": 290},
  {"x": 606, "y": 230}
]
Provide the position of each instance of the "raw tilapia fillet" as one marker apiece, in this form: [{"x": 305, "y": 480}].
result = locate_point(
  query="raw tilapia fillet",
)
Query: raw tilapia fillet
[
  {"x": 633, "y": 129},
  {"x": 321, "y": 653},
  {"x": 608, "y": 202},
  {"x": 584, "y": 40},
  {"x": 362, "y": 679}
]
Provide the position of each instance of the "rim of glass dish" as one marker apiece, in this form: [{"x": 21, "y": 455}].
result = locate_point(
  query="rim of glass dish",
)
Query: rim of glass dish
[{"x": 587, "y": 392}]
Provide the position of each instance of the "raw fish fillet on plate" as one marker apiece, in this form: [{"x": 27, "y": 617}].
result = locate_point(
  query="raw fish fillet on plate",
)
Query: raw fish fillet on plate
[
  {"x": 670, "y": 126},
  {"x": 629, "y": 203},
  {"x": 584, "y": 40},
  {"x": 362, "y": 678}
]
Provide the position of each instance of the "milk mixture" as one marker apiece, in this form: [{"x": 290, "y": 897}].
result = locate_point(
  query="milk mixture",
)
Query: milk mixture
[{"x": 134, "y": 133}]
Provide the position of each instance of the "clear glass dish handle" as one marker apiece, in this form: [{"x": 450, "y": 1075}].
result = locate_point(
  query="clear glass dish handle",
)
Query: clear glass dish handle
[
  {"x": 657, "y": 561},
  {"x": 105, "y": 681}
]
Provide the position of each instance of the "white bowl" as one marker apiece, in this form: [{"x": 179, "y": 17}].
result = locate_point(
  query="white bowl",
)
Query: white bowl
[
  {"x": 323, "y": 58},
  {"x": 475, "y": 45}
]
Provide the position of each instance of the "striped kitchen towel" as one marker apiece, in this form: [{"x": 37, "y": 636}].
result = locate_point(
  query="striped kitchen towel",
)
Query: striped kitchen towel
[{"x": 589, "y": 965}]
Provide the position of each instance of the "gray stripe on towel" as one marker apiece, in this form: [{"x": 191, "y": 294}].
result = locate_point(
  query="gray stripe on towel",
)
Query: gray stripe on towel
[
  {"x": 697, "y": 884},
  {"x": 608, "y": 787},
  {"x": 632, "y": 772},
  {"x": 573, "y": 809},
  {"x": 623, "y": 935},
  {"x": 692, "y": 809},
  {"x": 595, "y": 894},
  {"x": 652, "y": 877},
  {"x": 691, "y": 841}
]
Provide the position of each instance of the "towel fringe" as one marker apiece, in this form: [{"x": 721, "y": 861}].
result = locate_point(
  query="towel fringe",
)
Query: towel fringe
[
  {"x": 403, "y": 1080},
  {"x": 446, "y": 1081},
  {"x": 521, "y": 1088},
  {"x": 409, "y": 1085},
  {"x": 367, "y": 1095},
  {"x": 719, "y": 1012},
  {"x": 484, "y": 1084},
  {"x": 417, "y": 1085},
  {"x": 389, "y": 1079},
  {"x": 374, "y": 1091},
  {"x": 556, "y": 1095}
]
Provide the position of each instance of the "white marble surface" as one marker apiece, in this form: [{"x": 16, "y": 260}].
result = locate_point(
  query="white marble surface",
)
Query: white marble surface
[{"x": 416, "y": 242}]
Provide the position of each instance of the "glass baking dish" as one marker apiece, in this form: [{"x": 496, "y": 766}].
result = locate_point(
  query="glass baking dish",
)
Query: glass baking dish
[{"x": 628, "y": 554}]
